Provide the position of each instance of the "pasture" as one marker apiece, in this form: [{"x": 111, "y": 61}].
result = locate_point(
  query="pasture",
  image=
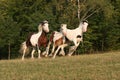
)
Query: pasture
[{"x": 105, "y": 66}]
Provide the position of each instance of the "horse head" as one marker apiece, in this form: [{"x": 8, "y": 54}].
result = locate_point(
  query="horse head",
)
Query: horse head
[
  {"x": 84, "y": 25},
  {"x": 63, "y": 28},
  {"x": 44, "y": 26}
]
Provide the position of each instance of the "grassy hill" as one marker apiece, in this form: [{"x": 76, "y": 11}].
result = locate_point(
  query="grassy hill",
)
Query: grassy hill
[{"x": 104, "y": 66}]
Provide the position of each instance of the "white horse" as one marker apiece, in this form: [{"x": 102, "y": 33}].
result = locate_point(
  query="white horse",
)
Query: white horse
[
  {"x": 36, "y": 40},
  {"x": 75, "y": 35},
  {"x": 58, "y": 40}
]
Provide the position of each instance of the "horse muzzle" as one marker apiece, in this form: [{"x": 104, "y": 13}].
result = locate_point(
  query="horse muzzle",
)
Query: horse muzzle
[{"x": 46, "y": 31}]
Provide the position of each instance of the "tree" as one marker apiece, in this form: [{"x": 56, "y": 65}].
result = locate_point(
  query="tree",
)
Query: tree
[{"x": 8, "y": 27}]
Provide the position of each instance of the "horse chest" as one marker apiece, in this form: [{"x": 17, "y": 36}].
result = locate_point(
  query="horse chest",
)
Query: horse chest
[{"x": 42, "y": 41}]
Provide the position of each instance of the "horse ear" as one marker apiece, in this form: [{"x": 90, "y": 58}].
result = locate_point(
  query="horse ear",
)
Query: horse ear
[
  {"x": 45, "y": 21},
  {"x": 85, "y": 21},
  {"x": 61, "y": 25},
  {"x": 66, "y": 25},
  {"x": 42, "y": 23}
]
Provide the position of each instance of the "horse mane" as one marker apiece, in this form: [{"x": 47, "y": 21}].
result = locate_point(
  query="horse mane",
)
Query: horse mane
[{"x": 40, "y": 27}]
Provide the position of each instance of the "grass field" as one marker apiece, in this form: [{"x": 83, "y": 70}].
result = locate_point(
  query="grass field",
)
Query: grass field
[{"x": 104, "y": 66}]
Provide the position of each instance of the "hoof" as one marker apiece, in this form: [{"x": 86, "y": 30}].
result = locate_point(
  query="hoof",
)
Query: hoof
[
  {"x": 62, "y": 53},
  {"x": 22, "y": 58},
  {"x": 39, "y": 57},
  {"x": 46, "y": 55},
  {"x": 50, "y": 55},
  {"x": 32, "y": 58},
  {"x": 69, "y": 54},
  {"x": 53, "y": 57}
]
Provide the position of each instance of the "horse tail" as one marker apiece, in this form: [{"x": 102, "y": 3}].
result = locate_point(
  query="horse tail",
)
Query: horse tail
[{"x": 24, "y": 49}]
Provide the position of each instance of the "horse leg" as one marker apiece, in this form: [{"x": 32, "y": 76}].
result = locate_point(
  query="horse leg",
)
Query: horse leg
[
  {"x": 24, "y": 53},
  {"x": 56, "y": 51},
  {"x": 53, "y": 48},
  {"x": 62, "y": 52},
  {"x": 73, "y": 48},
  {"x": 47, "y": 49},
  {"x": 38, "y": 52},
  {"x": 32, "y": 53}
]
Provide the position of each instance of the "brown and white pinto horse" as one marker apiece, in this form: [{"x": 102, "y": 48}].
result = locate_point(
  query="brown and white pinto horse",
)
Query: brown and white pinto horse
[
  {"x": 58, "y": 40},
  {"x": 36, "y": 40}
]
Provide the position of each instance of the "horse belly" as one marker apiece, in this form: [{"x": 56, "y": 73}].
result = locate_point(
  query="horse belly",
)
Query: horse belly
[
  {"x": 59, "y": 42},
  {"x": 71, "y": 37}
]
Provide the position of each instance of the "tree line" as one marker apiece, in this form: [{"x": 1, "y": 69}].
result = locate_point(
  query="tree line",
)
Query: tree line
[{"x": 18, "y": 18}]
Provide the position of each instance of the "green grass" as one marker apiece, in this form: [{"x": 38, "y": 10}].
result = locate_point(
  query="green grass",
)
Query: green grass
[{"x": 83, "y": 67}]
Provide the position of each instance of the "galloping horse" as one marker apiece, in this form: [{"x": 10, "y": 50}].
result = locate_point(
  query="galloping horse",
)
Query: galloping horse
[
  {"x": 75, "y": 35},
  {"x": 58, "y": 40},
  {"x": 36, "y": 40}
]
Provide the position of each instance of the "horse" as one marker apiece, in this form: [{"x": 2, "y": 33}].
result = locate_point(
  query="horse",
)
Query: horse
[
  {"x": 75, "y": 35},
  {"x": 58, "y": 40},
  {"x": 36, "y": 40}
]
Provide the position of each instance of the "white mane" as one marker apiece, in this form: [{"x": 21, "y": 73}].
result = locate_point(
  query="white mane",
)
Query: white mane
[{"x": 40, "y": 27}]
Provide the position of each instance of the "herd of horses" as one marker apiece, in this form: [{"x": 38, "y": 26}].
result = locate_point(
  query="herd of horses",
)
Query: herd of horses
[{"x": 59, "y": 40}]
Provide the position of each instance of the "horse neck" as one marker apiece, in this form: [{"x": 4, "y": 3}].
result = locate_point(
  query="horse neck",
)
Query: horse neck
[
  {"x": 39, "y": 32},
  {"x": 80, "y": 26},
  {"x": 44, "y": 33}
]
